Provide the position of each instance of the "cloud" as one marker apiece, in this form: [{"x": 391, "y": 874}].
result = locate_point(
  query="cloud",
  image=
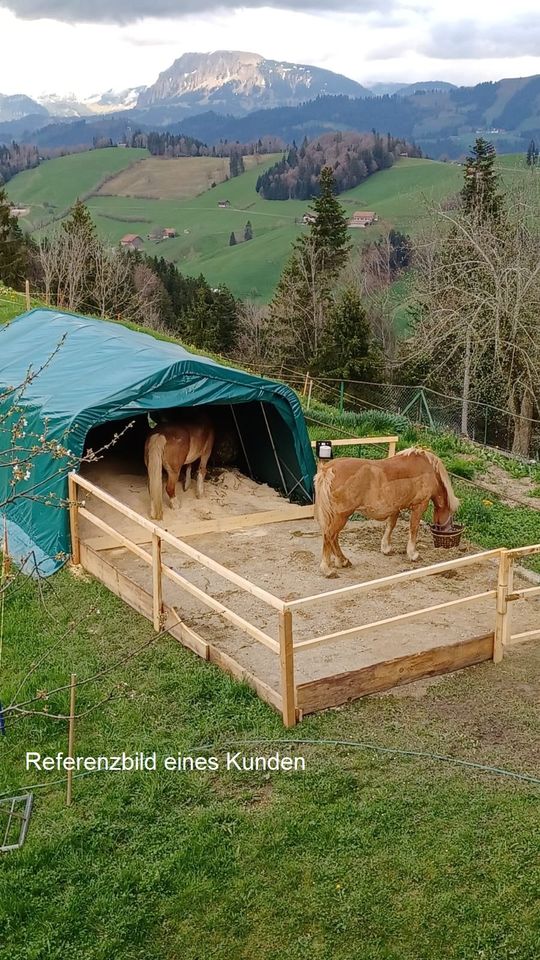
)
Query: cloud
[
  {"x": 472, "y": 40},
  {"x": 129, "y": 11}
]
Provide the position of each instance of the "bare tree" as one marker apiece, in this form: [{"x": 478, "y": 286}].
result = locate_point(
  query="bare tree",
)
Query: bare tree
[{"x": 478, "y": 291}]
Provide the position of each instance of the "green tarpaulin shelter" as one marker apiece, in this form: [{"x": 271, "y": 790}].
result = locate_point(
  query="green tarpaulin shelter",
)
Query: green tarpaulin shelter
[{"x": 85, "y": 372}]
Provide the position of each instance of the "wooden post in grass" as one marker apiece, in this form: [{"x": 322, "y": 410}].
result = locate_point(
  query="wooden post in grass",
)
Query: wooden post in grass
[
  {"x": 391, "y": 448},
  {"x": 502, "y": 616},
  {"x": 286, "y": 656},
  {"x": 27, "y": 293},
  {"x": 74, "y": 520},
  {"x": 306, "y": 381},
  {"x": 71, "y": 734},
  {"x": 157, "y": 582}
]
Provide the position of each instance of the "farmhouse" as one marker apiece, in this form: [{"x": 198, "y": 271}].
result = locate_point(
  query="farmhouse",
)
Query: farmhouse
[
  {"x": 309, "y": 218},
  {"x": 224, "y": 203},
  {"x": 169, "y": 233},
  {"x": 363, "y": 218},
  {"x": 131, "y": 241}
]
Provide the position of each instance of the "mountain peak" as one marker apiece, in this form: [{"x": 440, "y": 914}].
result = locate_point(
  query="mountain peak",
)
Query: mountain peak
[{"x": 236, "y": 81}]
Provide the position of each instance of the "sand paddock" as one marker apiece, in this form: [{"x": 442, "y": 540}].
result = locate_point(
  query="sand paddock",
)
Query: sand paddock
[{"x": 283, "y": 558}]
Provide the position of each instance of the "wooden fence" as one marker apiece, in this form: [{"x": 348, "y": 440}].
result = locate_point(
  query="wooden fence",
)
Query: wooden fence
[{"x": 293, "y": 700}]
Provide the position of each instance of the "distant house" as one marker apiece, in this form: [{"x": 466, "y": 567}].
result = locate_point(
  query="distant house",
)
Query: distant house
[
  {"x": 19, "y": 211},
  {"x": 363, "y": 218},
  {"x": 132, "y": 241},
  {"x": 309, "y": 218},
  {"x": 169, "y": 233},
  {"x": 224, "y": 203}
]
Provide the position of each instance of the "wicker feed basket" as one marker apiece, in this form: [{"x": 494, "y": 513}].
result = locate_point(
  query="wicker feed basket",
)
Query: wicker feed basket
[{"x": 446, "y": 538}]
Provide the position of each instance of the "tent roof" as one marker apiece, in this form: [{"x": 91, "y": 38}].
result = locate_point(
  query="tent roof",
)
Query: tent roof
[{"x": 90, "y": 371}]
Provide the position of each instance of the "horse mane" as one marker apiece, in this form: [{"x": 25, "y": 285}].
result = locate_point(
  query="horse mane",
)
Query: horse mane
[{"x": 440, "y": 470}]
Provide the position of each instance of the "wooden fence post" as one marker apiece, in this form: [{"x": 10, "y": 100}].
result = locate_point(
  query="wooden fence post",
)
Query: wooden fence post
[
  {"x": 392, "y": 448},
  {"x": 286, "y": 656},
  {"x": 157, "y": 582},
  {"x": 74, "y": 520},
  {"x": 306, "y": 381},
  {"x": 502, "y": 617},
  {"x": 308, "y": 404},
  {"x": 71, "y": 734},
  {"x": 27, "y": 293}
]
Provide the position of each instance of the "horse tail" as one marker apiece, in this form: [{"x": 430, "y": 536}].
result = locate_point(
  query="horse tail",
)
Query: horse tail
[
  {"x": 442, "y": 472},
  {"x": 324, "y": 507},
  {"x": 154, "y": 465}
]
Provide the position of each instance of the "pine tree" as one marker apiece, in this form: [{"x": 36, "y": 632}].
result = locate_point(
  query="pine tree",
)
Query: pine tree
[
  {"x": 480, "y": 194},
  {"x": 348, "y": 350},
  {"x": 232, "y": 239},
  {"x": 13, "y": 246},
  {"x": 248, "y": 231},
  {"x": 329, "y": 231},
  {"x": 80, "y": 222},
  {"x": 532, "y": 154}
]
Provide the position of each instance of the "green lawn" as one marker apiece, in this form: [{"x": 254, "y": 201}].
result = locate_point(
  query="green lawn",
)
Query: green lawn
[
  {"x": 51, "y": 189},
  {"x": 366, "y": 854},
  {"x": 399, "y": 196}
]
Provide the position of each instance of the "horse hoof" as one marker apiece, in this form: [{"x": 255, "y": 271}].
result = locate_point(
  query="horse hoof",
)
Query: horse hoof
[
  {"x": 345, "y": 562},
  {"x": 329, "y": 573},
  {"x": 414, "y": 556},
  {"x": 174, "y": 504},
  {"x": 386, "y": 551}
]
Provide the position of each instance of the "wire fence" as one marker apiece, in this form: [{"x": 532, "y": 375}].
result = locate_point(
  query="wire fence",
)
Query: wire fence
[{"x": 488, "y": 424}]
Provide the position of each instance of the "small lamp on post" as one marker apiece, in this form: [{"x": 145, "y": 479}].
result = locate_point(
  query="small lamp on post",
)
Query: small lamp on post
[{"x": 323, "y": 449}]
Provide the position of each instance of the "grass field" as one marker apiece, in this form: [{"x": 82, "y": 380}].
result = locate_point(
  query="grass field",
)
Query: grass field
[
  {"x": 50, "y": 189},
  {"x": 177, "y": 178},
  {"x": 171, "y": 197},
  {"x": 367, "y": 854}
]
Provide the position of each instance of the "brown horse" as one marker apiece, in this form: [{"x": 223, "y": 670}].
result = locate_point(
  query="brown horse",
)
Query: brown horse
[
  {"x": 170, "y": 447},
  {"x": 380, "y": 489}
]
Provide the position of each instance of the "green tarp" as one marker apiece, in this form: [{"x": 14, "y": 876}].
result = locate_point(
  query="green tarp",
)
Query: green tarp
[{"x": 85, "y": 372}]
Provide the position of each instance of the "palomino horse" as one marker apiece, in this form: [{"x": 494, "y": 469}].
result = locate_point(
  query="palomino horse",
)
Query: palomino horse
[
  {"x": 380, "y": 489},
  {"x": 171, "y": 446}
]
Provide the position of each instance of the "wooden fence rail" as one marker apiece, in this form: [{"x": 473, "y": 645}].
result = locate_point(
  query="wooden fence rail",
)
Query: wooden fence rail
[{"x": 295, "y": 699}]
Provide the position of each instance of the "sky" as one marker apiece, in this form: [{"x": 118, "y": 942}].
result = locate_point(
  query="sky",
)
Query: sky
[{"x": 89, "y": 46}]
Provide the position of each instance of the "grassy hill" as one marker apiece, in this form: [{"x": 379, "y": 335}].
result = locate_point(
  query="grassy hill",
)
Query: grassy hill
[
  {"x": 400, "y": 196},
  {"x": 50, "y": 189}
]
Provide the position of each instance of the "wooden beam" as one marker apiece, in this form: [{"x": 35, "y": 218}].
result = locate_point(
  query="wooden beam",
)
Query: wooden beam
[
  {"x": 173, "y": 541},
  {"x": 125, "y": 541},
  {"x": 138, "y": 598},
  {"x": 74, "y": 520},
  {"x": 340, "y": 688},
  {"x": 351, "y": 631},
  {"x": 220, "y": 525},
  {"x": 524, "y": 551},
  {"x": 523, "y": 594},
  {"x": 359, "y": 441},
  {"x": 186, "y": 635},
  {"x": 286, "y": 656},
  {"x": 209, "y": 601},
  {"x": 396, "y": 578},
  {"x": 528, "y": 635},
  {"x": 230, "y": 665},
  {"x": 502, "y": 614},
  {"x": 157, "y": 582}
]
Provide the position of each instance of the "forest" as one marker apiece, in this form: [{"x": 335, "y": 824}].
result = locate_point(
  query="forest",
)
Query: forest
[{"x": 353, "y": 157}]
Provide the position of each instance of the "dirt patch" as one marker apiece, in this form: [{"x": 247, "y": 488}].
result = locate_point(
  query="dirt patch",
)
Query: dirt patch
[{"x": 510, "y": 490}]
